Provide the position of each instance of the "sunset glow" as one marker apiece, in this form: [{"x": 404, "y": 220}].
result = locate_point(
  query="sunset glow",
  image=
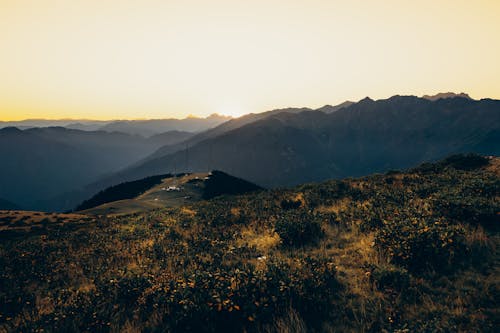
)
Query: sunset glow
[{"x": 160, "y": 59}]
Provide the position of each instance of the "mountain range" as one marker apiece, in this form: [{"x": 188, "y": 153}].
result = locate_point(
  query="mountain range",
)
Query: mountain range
[
  {"x": 39, "y": 164},
  {"x": 57, "y": 168},
  {"x": 144, "y": 128},
  {"x": 445, "y": 95},
  {"x": 292, "y": 146}
]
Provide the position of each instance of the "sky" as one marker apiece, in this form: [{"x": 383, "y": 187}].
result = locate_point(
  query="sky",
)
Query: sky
[{"x": 120, "y": 59}]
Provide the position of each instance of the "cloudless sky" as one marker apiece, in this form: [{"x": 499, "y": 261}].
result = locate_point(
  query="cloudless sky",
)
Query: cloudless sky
[{"x": 109, "y": 59}]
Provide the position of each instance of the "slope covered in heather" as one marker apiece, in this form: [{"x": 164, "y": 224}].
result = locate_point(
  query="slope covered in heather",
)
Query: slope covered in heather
[{"x": 405, "y": 251}]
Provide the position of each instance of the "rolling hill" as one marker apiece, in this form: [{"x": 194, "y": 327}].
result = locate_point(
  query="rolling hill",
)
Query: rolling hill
[{"x": 163, "y": 191}]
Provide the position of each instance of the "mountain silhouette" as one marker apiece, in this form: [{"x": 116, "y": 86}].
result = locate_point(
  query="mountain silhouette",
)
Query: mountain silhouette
[
  {"x": 284, "y": 148},
  {"x": 144, "y": 128},
  {"x": 156, "y": 126},
  {"x": 445, "y": 95},
  {"x": 57, "y": 168}
]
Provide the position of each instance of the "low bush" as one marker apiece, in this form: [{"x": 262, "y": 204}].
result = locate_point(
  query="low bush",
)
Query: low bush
[
  {"x": 419, "y": 244},
  {"x": 371, "y": 224},
  {"x": 290, "y": 204},
  {"x": 392, "y": 277},
  {"x": 298, "y": 229}
]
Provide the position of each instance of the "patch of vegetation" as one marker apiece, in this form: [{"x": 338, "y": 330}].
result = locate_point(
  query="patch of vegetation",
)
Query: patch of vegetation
[
  {"x": 287, "y": 204},
  {"x": 388, "y": 276},
  {"x": 422, "y": 244},
  {"x": 298, "y": 228}
]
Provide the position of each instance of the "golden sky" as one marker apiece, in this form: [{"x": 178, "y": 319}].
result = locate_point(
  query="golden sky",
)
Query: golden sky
[{"x": 108, "y": 59}]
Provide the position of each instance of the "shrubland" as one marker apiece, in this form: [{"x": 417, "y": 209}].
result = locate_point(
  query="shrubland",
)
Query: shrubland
[{"x": 401, "y": 252}]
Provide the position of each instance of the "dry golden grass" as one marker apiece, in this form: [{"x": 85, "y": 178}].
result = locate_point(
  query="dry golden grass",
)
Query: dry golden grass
[
  {"x": 494, "y": 166},
  {"x": 87, "y": 286},
  {"x": 300, "y": 197},
  {"x": 44, "y": 305},
  {"x": 133, "y": 266},
  {"x": 352, "y": 251},
  {"x": 291, "y": 322},
  {"x": 337, "y": 207},
  {"x": 478, "y": 237},
  {"x": 188, "y": 211},
  {"x": 147, "y": 243},
  {"x": 262, "y": 239},
  {"x": 129, "y": 327}
]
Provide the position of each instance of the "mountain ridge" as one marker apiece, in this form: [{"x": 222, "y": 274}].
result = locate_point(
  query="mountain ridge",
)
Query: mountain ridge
[
  {"x": 446, "y": 95},
  {"x": 400, "y": 119}
]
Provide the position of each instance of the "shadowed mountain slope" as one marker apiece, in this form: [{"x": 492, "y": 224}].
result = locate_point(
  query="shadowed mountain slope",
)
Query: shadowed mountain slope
[{"x": 286, "y": 148}]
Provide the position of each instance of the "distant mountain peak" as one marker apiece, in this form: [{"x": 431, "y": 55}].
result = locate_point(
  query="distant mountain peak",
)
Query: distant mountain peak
[
  {"x": 211, "y": 116},
  {"x": 332, "y": 108},
  {"x": 446, "y": 95},
  {"x": 10, "y": 129},
  {"x": 217, "y": 115},
  {"x": 366, "y": 99}
]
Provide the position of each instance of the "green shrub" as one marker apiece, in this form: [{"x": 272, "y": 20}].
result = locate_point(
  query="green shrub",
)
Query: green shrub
[
  {"x": 298, "y": 229},
  {"x": 371, "y": 224},
  {"x": 390, "y": 277},
  {"x": 474, "y": 211},
  {"x": 419, "y": 245},
  {"x": 290, "y": 204}
]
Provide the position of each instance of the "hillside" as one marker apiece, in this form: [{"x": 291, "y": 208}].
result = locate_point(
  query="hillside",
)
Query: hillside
[
  {"x": 413, "y": 251},
  {"x": 223, "y": 128},
  {"x": 287, "y": 148},
  {"x": 163, "y": 191}
]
